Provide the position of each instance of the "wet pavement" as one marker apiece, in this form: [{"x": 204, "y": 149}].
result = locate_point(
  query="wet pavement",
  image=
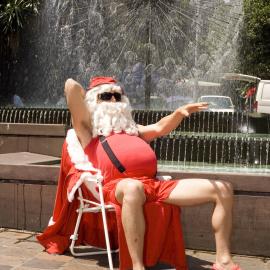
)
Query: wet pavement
[{"x": 19, "y": 250}]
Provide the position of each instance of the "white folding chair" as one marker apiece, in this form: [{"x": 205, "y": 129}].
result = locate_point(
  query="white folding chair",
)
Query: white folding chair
[{"x": 89, "y": 206}]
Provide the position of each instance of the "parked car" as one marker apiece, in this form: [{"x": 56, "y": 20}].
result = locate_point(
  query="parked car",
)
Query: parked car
[{"x": 218, "y": 103}]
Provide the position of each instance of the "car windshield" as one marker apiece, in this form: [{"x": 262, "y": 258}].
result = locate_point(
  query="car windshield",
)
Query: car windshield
[{"x": 217, "y": 102}]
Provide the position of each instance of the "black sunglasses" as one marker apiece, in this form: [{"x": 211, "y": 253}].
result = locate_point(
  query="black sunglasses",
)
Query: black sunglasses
[{"x": 106, "y": 96}]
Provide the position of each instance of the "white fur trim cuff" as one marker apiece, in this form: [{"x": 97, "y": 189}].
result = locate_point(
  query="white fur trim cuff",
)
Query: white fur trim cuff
[
  {"x": 90, "y": 181},
  {"x": 51, "y": 222},
  {"x": 104, "y": 88}
]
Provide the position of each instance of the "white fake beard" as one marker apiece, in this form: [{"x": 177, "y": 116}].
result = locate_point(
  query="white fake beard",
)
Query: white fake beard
[{"x": 108, "y": 117}]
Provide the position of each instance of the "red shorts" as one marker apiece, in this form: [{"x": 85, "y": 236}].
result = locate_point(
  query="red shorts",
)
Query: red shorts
[{"x": 155, "y": 190}]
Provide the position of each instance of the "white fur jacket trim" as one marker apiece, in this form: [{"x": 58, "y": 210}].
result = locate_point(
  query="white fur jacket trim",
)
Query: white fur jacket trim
[
  {"x": 76, "y": 153},
  {"x": 82, "y": 163}
]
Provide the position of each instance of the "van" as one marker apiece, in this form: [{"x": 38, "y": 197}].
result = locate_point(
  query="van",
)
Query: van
[
  {"x": 262, "y": 90},
  {"x": 263, "y": 96}
]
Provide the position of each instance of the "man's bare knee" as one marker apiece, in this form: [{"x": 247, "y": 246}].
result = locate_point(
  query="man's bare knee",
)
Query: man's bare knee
[{"x": 130, "y": 191}]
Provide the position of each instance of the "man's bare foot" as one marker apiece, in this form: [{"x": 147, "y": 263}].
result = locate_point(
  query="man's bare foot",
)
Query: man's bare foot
[{"x": 231, "y": 266}]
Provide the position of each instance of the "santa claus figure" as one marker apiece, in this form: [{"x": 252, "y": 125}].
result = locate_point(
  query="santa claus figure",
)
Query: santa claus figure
[{"x": 133, "y": 188}]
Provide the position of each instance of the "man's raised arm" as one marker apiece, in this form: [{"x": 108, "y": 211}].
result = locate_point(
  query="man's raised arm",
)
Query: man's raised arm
[
  {"x": 80, "y": 115},
  {"x": 168, "y": 123}
]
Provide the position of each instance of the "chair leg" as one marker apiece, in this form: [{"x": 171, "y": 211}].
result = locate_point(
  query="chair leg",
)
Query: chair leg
[
  {"x": 74, "y": 236},
  {"x": 104, "y": 219}
]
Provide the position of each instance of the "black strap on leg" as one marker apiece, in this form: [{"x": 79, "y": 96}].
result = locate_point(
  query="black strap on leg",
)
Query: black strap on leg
[{"x": 111, "y": 154}]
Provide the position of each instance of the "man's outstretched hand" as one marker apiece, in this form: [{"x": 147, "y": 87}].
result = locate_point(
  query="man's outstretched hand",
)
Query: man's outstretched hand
[{"x": 188, "y": 109}]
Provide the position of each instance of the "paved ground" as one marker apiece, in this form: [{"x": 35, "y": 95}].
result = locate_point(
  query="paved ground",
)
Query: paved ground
[{"x": 19, "y": 250}]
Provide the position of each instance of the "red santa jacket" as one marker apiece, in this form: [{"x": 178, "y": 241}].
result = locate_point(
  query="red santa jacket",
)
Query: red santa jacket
[{"x": 163, "y": 236}]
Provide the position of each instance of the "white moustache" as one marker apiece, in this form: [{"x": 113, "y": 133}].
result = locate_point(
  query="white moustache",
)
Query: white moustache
[{"x": 108, "y": 117}]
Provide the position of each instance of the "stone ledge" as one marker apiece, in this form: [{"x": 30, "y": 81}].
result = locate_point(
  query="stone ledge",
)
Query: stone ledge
[
  {"x": 25, "y": 166},
  {"x": 241, "y": 182},
  {"x": 29, "y": 172},
  {"x": 23, "y": 158},
  {"x": 23, "y": 129},
  {"x": 29, "y": 166}
]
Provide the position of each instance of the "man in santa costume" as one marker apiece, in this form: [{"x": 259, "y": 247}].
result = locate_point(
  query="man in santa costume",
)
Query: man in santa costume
[{"x": 104, "y": 110}]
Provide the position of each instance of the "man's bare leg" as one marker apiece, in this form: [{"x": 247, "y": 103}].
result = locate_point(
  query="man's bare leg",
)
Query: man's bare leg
[
  {"x": 130, "y": 193},
  {"x": 190, "y": 192}
]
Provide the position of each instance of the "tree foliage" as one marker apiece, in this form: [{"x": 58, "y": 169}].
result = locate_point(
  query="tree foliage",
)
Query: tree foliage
[
  {"x": 255, "y": 39},
  {"x": 13, "y": 16}
]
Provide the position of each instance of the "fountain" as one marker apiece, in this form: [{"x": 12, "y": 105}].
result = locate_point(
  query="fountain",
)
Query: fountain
[
  {"x": 164, "y": 53},
  {"x": 224, "y": 139},
  {"x": 154, "y": 48}
]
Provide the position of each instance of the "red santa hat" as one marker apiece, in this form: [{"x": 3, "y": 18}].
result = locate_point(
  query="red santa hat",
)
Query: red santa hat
[
  {"x": 98, "y": 85},
  {"x": 95, "y": 81}
]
